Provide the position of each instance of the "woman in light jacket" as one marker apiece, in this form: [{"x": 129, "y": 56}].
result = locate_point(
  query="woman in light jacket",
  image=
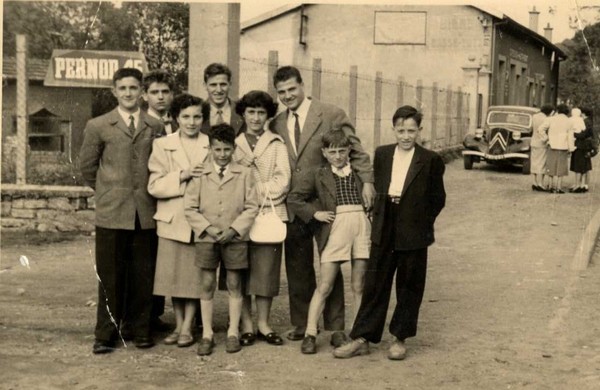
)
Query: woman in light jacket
[
  {"x": 170, "y": 165},
  {"x": 265, "y": 152}
]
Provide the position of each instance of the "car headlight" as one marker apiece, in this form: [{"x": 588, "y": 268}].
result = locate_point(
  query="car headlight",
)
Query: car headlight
[{"x": 516, "y": 136}]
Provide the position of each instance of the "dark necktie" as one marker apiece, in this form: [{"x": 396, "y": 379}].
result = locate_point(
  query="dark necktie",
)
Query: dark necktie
[
  {"x": 221, "y": 174},
  {"x": 219, "y": 117},
  {"x": 131, "y": 125},
  {"x": 297, "y": 132}
]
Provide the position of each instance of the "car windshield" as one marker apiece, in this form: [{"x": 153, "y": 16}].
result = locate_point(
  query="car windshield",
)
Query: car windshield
[{"x": 511, "y": 118}]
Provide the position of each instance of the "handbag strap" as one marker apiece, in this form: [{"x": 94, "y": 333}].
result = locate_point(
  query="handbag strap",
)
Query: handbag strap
[{"x": 267, "y": 195}]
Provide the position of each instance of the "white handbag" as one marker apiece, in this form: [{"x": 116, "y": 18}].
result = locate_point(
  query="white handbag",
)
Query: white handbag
[{"x": 268, "y": 228}]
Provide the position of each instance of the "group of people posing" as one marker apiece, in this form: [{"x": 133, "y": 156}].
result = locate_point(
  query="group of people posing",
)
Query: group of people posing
[
  {"x": 558, "y": 134},
  {"x": 178, "y": 188}
]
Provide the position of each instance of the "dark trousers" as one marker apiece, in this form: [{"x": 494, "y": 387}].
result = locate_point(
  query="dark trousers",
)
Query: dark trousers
[
  {"x": 125, "y": 263},
  {"x": 300, "y": 272}
]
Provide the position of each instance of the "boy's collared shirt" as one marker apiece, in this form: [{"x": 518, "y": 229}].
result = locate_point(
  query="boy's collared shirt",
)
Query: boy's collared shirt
[
  {"x": 218, "y": 168},
  {"x": 342, "y": 172},
  {"x": 400, "y": 170},
  {"x": 125, "y": 115},
  {"x": 165, "y": 119},
  {"x": 302, "y": 112}
]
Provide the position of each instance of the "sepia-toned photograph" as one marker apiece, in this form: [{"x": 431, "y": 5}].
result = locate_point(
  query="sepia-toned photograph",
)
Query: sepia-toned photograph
[{"x": 273, "y": 195}]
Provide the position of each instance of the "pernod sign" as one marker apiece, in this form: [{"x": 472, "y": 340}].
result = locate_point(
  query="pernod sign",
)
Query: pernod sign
[{"x": 90, "y": 68}]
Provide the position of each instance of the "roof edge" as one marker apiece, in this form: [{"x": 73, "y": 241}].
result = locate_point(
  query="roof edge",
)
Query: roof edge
[{"x": 270, "y": 15}]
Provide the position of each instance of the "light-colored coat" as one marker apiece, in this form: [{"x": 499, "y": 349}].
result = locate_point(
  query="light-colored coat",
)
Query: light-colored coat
[
  {"x": 270, "y": 169},
  {"x": 321, "y": 118},
  {"x": 560, "y": 132},
  {"x": 166, "y": 162},
  {"x": 115, "y": 164},
  {"x": 230, "y": 202}
]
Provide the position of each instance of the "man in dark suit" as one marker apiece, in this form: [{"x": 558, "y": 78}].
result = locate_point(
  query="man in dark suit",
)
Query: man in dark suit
[
  {"x": 114, "y": 162},
  {"x": 302, "y": 126},
  {"x": 158, "y": 94},
  {"x": 219, "y": 108},
  {"x": 410, "y": 195}
]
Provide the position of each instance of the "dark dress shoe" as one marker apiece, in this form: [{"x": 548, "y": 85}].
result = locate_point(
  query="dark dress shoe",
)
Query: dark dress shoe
[
  {"x": 232, "y": 345},
  {"x": 309, "y": 345},
  {"x": 205, "y": 347},
  {"x": 272, "y": 338},
  {"x": 559, "y": 191},
  {"x": 101, "y": 347},
  {"x": 247, "y": 339},
  {"x": 338, "y": 339},
  {"x": 143, "y": 342},
  {"x": 297, "y": 334}
]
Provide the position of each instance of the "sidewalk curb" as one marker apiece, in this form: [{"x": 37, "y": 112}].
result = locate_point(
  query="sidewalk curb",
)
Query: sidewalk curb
[{"x": 585, "y": 249}]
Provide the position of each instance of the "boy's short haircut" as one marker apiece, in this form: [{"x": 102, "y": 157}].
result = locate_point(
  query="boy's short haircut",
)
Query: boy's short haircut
[
  {"x": 183, "y": 101},
  {"x": 216, "y": 69},
  {"x": 335, "y": 138},
  {"x": 406, "y": 112},
  {"x": 127, "y": 72},
  {"x": 547, "y": 109},
  {"x": 563, "y": 109},
  {"x": 158, "y": 76},
  {"x": 256, "y": 99},
  {"x": 285, "y": 73},
  {"x": 222, "y": 132}
]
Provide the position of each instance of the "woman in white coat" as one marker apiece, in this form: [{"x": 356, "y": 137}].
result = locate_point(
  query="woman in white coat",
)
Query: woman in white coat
[
  {"x": 266, "y": 154},
  {"x": 171, "y": 162}
]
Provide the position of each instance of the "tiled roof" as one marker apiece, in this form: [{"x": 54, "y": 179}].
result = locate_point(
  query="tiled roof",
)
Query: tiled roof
[{"x": 36, "y": 68}]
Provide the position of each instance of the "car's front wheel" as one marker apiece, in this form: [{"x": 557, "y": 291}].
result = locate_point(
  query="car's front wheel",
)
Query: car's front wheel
[{"x": 468, "y": 161}]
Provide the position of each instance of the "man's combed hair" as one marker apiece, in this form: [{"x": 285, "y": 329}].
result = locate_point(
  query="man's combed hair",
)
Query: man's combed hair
[
  {"x": 158, "y": 76},
  {"x": 406, "y": 112},
  {"x": 285, "y": 73},
  {"x": 216, "y": 69},
  {"x": 183, "y": 101},
  {"x": 127, "y": 72},
  {"x": 222, "y": 132},
  {"x": 335, "y": 138}
]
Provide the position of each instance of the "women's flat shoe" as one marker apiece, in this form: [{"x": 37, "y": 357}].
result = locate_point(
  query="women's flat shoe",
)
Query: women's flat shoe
[
  {"x": 247, "y": 339},
  {"x": 272, "y": 338},
  {"x": 205, "y": 347},
  {"x": 185, "y": 340},
  {"x": 171, "y": 339},
  {"x": 232, "y": 345}
]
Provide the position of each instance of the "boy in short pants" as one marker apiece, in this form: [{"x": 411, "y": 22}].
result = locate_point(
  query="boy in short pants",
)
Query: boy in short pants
[
  {"x": 221, "y": 205},
  {"x": 331, "y": 198}
]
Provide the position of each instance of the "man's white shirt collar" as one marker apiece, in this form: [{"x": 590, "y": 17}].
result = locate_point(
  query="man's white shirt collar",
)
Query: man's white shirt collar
[
  {"x": 225, "y": 113},
  {"x": 125, "y": 115}
]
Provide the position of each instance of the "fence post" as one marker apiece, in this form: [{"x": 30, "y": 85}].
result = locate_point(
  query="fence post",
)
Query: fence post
[
  {"x": 400, "y": 93},
  {"x": 377, "y": 111},
  {"x": 316, "y": 80},
  {"x": 459, "y": 110},
  {"x": 419, "y": 95},
  {"x": 21, "y": 109},
  {"x": 448, "y": 115},
  {"x": 352, "y": 98},
  {"x": 434, "y": 114},
  {"x": 273, "y": 64}
]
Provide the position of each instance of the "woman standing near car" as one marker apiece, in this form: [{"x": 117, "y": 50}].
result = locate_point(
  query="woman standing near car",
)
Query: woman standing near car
[
  {"x": 266, "y": 154},
  {"x": 581, "y": 161},
  {"x": 539, "y": 148},
  {"x": 170, "y": 165},
  {"x": 560, "y": 141}
]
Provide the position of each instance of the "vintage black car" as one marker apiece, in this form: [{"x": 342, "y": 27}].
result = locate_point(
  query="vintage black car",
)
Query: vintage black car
[{"x": 504, "y": 139}]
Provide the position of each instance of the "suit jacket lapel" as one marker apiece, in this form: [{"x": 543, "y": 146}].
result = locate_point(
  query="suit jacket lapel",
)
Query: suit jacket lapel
[
  {"x": 116, "y": 120},
  {"x": 311, "y": 124},
  {"x": 414, "y": 168},
  {"x": 328, "y": 181},
  {"x": 236, "y": 120},
  {"x": 280, "y": 126},
  {"x": 387, "y": 163},
  {"x": 142, "y": 124}
]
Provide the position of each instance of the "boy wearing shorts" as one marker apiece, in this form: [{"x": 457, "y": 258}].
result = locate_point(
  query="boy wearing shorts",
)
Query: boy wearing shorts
[
  {"x": 220, "y": 205},
  {"x": 331, "y": 198}
]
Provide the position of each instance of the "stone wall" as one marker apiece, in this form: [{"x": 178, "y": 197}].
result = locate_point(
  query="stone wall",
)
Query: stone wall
[{"x": 47, "y": 208}]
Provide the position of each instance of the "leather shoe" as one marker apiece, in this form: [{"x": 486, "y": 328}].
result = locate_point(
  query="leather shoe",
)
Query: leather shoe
[
  {"x": 171, "y": 339},
  {"x": 143, "y": 342},
  {"x": 309, "y": 345},
  {"x": 205, "y": 347},
  {"x": 353, "y": 348},
  {"x": 185, "y": 340},
  {"x": 247, "y": 339},
  {"x": 338, "y": 339},
  {"x": 101, "y": 347},
  {"x": 272, "y": 338},
  {"x": 297, "y": 334},
  {"x": 397, "y": 351},
  {"x": 232, "y": 345}
]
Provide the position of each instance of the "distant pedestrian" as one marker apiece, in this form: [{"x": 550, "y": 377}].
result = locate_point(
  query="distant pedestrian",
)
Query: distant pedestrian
[
  {"x": 560, "y": 140},
  {"x": 581, "y": 161},
  {"x": 539, "y": 148},
  {"x": 410, "y": 195}
]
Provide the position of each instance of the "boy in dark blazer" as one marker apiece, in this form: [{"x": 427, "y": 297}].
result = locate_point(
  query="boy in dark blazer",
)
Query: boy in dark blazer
[
  {"x": 410, "y": 195},
  {"x": 114, "y": 162}
]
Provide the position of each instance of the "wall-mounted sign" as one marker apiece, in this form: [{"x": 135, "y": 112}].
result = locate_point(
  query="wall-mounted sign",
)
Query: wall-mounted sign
[{"x": 90, "y": 68}]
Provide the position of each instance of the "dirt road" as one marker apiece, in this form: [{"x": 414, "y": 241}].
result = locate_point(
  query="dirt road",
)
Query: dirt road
[{"x": 502, "y": 310}]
